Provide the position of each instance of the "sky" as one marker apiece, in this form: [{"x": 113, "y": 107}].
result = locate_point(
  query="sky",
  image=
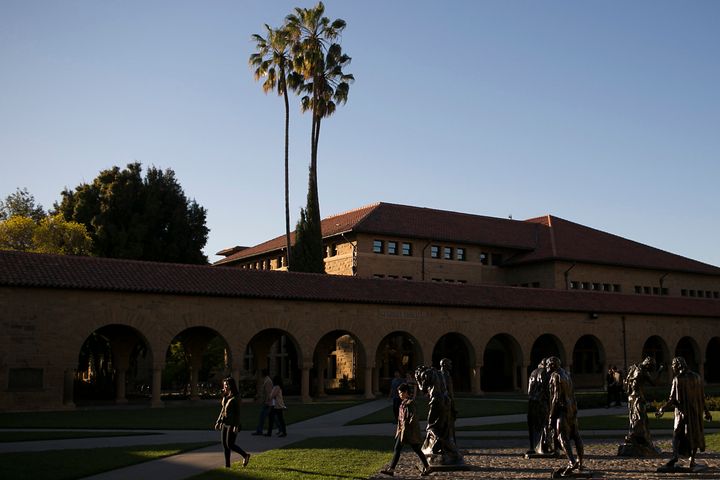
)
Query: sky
[{"x": 602, "y": 113}]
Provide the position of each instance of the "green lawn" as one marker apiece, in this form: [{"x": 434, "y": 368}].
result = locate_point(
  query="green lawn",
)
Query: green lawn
[
  {"x": 68, "y": 464},
  {"x": 169, "y": 418},
  {"x": 317, "y": 459},
  {"x": 466, "y": 407}
]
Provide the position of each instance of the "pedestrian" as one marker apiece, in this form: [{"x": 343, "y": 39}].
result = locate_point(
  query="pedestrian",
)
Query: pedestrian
[
  {"x": 394, "y": 384},
  {"x": 265, "y": 391},
  {"x": 278, "y": 405},
  {"x": 229, "y": 421},
  {"x": 407, "y": 433}
]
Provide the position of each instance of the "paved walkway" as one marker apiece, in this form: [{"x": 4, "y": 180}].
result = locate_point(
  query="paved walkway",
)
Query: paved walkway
[{"x": 192, "y": 463}]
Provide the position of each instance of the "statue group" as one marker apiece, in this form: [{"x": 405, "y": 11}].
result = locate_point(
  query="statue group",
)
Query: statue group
[{"x": 552, "y": 416}]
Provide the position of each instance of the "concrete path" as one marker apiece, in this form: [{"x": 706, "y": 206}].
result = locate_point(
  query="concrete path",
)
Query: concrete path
[{"x": 192, "y": 463}]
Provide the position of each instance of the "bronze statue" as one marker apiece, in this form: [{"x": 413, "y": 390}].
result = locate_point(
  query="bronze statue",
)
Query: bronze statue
[
  {"x": 539, "y": 434},
  {"x": 687, "y": 396},
  {"x": 446, "y": 371},
  {"x": 563, "y": 416},
  {"x": 638, "y": 442},
  {"x": 439, "y": 445}
]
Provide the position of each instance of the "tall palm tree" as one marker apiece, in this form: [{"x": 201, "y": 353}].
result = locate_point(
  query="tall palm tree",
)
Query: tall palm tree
[
  {"x": 320, "y": 61},
  {"x": 272, "y": 61}
]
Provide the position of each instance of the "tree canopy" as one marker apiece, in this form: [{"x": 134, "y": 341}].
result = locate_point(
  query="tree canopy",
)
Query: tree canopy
[
  {"x": 22, "y": 204},
  {"x": 132, "y": 217},
  {"x": 53, "y": 234}
]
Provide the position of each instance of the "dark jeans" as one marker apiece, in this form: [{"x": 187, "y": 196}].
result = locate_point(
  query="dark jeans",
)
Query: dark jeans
[
  {"x": 398, "y": 449},
  {"x": 396, "y": 407},
  {"x": 277, "y": 413},
  {"x": 228, "y": 443},
  {"x": 263, "y": 415}
]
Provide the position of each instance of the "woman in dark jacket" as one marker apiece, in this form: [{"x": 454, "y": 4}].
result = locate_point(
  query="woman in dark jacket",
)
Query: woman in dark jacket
[
  {"x": 407, "y": 433},
  {"x": 229, "y": 421}
]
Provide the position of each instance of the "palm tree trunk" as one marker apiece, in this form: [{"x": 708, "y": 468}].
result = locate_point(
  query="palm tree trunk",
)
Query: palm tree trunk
[{"x": 288, "y": 258}]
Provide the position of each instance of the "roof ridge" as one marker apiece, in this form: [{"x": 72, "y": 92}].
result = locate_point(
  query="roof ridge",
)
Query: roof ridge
[{"x": 353, "y": 210}]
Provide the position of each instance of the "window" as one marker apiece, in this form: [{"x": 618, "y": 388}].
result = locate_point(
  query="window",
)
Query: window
[
  {"x": 574, "y": 285},
  {"x": 616, "y": 287},
  {"x": 407, "y": 277},
  {"x": 607, "y": 287},
  {"x": 437, "y": 279},
  {"x": 646, "y": 290},
  {"x": 536, "y": 284},
  {"x": 638, "y": 289},
  {"x": 484, "y": 256},
  {"x": 684, "y": 292},
  {"x": 497, "y": 259},
  {"x": 407, "y": 249},
  {"x": 448, "y": 253},
  {"x": 664, "y": 291},
  {"x": 656, "y": 290},
  {"x": 378, "y": 275},
  {"x": 392, "y": 248},
  {"x": 460, "y": 254},
  {"x": 435, "y": 251},
  {"x": 585, "y": 285},
  {"x": 394, "y": 277},
  {"x": 462, "y": 281},
  {"x": 378, "y": 246},
  {"x": 596, "y": 286},
  {"x": 332, "y": 249}
]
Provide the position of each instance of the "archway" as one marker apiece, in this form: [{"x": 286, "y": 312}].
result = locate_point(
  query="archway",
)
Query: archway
[
  {"x": 655, "y": 347},
  {"x": 398, "y": 351},
  {"x": 688, "y": 348},
  {"x": 459, "y": 350},
  {"x": 277, "y": 352},
  {"x": 114, "y": 363},
  {"x": 546, "y": 345},
  {"x": 196, "y": 361},
  {"x": 588, "y": 361},
  {"x": 502, "y": 361},
  {"x": 338, "y": 362},
  {"x": 712, "y": 361}
]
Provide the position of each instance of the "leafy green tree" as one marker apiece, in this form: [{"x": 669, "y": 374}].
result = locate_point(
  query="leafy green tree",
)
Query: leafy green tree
[
  {"x": 320, "y": 61},
  {"x": 21, "y": 203},
  {"x": 129, "y": 216},
  {"x": 273, "y": 62},
  {"x": 52, "y": 235}
]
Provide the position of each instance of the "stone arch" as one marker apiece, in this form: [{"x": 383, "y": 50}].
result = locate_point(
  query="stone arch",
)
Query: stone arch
[
  {"x": 656, "y": 348},
  {"x": 196, "y": 361},
  {"x": 688, "y": 348},
  {"x": 339, "y": 363},
  {"x": 588, "y": 362},
  {"x": 502, "y": 362},
  {"x": 460, "y": 351},
  {"x": 111, "y": 358},
  {"x": 712, "y": 361},
  {"x": 546, "y": 345},
  {"x": 278, "y": 352},
  {"x": 397, "y": 351}
]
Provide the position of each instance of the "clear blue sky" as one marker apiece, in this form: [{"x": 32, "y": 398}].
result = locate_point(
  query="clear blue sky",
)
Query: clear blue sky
[{"x": 603, "y": 113}]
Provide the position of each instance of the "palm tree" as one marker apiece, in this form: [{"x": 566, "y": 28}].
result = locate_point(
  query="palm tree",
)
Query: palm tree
[
  {"x": 272, "y": 61},
  {"x": 320, "y": 61}
]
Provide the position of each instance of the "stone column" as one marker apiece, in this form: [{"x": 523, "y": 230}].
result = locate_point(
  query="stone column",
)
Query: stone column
[
  {"x": 524, "y": 378},
  {"x": 122, "y": 360},
  {"x": 476, "y": 389},
  {"x": 320, "y": 380},
  {"x": 156, "y": 401},
  {"x": 369, "y": 394},
  {"x": 375, "y": 381},
  {"x": 305, "y": 383},
  {"x": 195, "y": 366}
]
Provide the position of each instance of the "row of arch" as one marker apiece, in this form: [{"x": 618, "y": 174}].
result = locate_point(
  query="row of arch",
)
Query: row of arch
[{"x": 116, "y": 362}]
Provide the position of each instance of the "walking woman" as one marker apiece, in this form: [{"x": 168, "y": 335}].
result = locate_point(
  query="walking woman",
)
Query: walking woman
[
  {"x": 229, "y": 421},
  {"x": 278, "y": 405}
]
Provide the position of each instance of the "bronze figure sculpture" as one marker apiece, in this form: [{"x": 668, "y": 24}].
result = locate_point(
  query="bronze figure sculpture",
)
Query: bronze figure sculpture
[
  {"x": 563, "y": 417},
  {"x": 446, "y": 371},
  {"x": 687, "y": 396},
  {"x": 539, "y": 433},
  {"x": 439, "y": 445},
  {"x": 638, "y": 442}
]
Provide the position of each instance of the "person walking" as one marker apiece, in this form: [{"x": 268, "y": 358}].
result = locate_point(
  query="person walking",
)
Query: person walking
[
  {"x": 228, "y": 421},
  {"x": 278, "y": 405},
  {"x": 394, "y": 384},
  {"x": 407, "y": 433},
  {"x": 265, "y": 391}
]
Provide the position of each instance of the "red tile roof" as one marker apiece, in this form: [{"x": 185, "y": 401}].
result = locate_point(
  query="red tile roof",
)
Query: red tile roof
[
  {"x": 539, "y": 239},
  {"x": 18, "y": 269}
]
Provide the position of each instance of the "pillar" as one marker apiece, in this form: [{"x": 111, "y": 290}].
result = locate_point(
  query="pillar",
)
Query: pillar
[
  {"x": 524, "y": 378},
  {"x": 69, "y": 387},
  {"x": 320, "y": 380},
  {"x": 156, "y": 401},
  {"x": 369, "y": 383},
  {"x": 375, "y": 381},
  {"x": 305, "y": 383},
  {"x": 475, "y": 381}
]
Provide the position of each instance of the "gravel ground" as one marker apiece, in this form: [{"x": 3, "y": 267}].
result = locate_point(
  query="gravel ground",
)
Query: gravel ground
[{"x": 504, "y": 459}]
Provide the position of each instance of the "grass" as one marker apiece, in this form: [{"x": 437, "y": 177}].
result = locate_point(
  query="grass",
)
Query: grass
[
  {"x": 466, "y": 407},
  {"x": 67, "y": 464},
  {"x": 169, "y": 418},
  {"x": 603, "y": 422},
  {"x": 318, "y": 458},
  {"x": 31, "y": 436}
]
